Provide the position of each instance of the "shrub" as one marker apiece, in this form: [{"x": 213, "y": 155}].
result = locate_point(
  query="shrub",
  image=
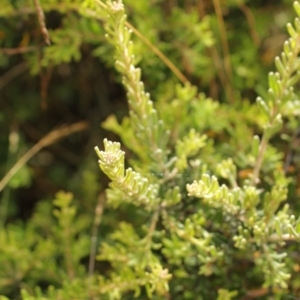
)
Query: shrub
[{"x": 207, "y": 208}]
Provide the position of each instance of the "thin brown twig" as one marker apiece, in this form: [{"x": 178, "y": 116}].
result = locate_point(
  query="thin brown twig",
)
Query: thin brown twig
[
  {"x": 224, "y": 39},
  {"x": 45, "y": 77},
  {"x": 71, "y": 6},
  {"x": 220, "y": 71},
  {"x": 12, "y": 149},
  {"x": 49, "y": 139},
  {"x": 167, "y": 62},
  {"x": 201, "y": 8},
  {"x": 20, "y": 50},
  {"x": 217, "y": 61},
  {"x": 41, "y": 18},
  {"x": 225, "y": 47},
  {"x": 33, "y": 133},
  {"x": 251, "y": 21},
  {"x": 12, "y": 73}
]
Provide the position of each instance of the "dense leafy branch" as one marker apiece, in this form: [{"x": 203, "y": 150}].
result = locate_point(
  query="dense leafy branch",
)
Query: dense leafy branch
[{"x": 281, "y": 89}]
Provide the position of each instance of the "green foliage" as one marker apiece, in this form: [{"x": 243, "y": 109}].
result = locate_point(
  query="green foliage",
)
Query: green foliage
[
  {"x": 250, "y": 225},
  {"x": 34, "y": 254},
  {"x": 207, "y": 208}
]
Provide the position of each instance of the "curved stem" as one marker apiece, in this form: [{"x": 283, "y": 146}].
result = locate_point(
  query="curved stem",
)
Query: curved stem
[
  {"x": 155, "y": 50},
  {"x": 50, "y": 138}
]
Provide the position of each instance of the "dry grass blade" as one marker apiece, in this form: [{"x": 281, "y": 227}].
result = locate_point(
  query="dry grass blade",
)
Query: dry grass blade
[
  {"x": 20, "y": 50},
  {"x": 49, "y": 139},
  {"x": 12, "y": 73},
  {"x": 155, "y": 50},
  {"x": 225, "y": 49}
]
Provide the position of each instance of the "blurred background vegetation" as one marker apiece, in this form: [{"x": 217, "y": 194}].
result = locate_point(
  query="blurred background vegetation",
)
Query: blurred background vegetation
[{"x": 67, "y": 86}]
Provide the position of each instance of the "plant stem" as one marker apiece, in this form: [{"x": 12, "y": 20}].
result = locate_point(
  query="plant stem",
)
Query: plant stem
[
  {"x": 50, "y": 138},
  {"x": 155, "y": 50},
  {"x": 95, "y": 229},
  {"x": 225, "y": 48}
]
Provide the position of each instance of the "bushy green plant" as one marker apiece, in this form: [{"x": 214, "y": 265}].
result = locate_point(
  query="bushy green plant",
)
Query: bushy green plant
[
  {"x": 207, "y": 208},
  {"x": 236, "y": 222}
]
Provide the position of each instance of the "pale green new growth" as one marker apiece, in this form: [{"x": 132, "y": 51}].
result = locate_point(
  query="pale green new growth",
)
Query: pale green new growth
[
  {"x": 188, "y": 147},
  {"x": 218, "y": 196},
  {"x": 149, "y": 129},
  {"x": 133, "y": 185}
]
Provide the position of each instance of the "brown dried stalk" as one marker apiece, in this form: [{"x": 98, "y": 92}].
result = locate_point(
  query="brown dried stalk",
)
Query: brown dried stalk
[
  {"x": 41, "y": 17},
  {"x": 49, "y": 139}
]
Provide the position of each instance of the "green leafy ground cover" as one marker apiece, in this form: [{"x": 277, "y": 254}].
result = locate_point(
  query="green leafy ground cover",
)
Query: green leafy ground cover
[{"x": 200, "y": 194}]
